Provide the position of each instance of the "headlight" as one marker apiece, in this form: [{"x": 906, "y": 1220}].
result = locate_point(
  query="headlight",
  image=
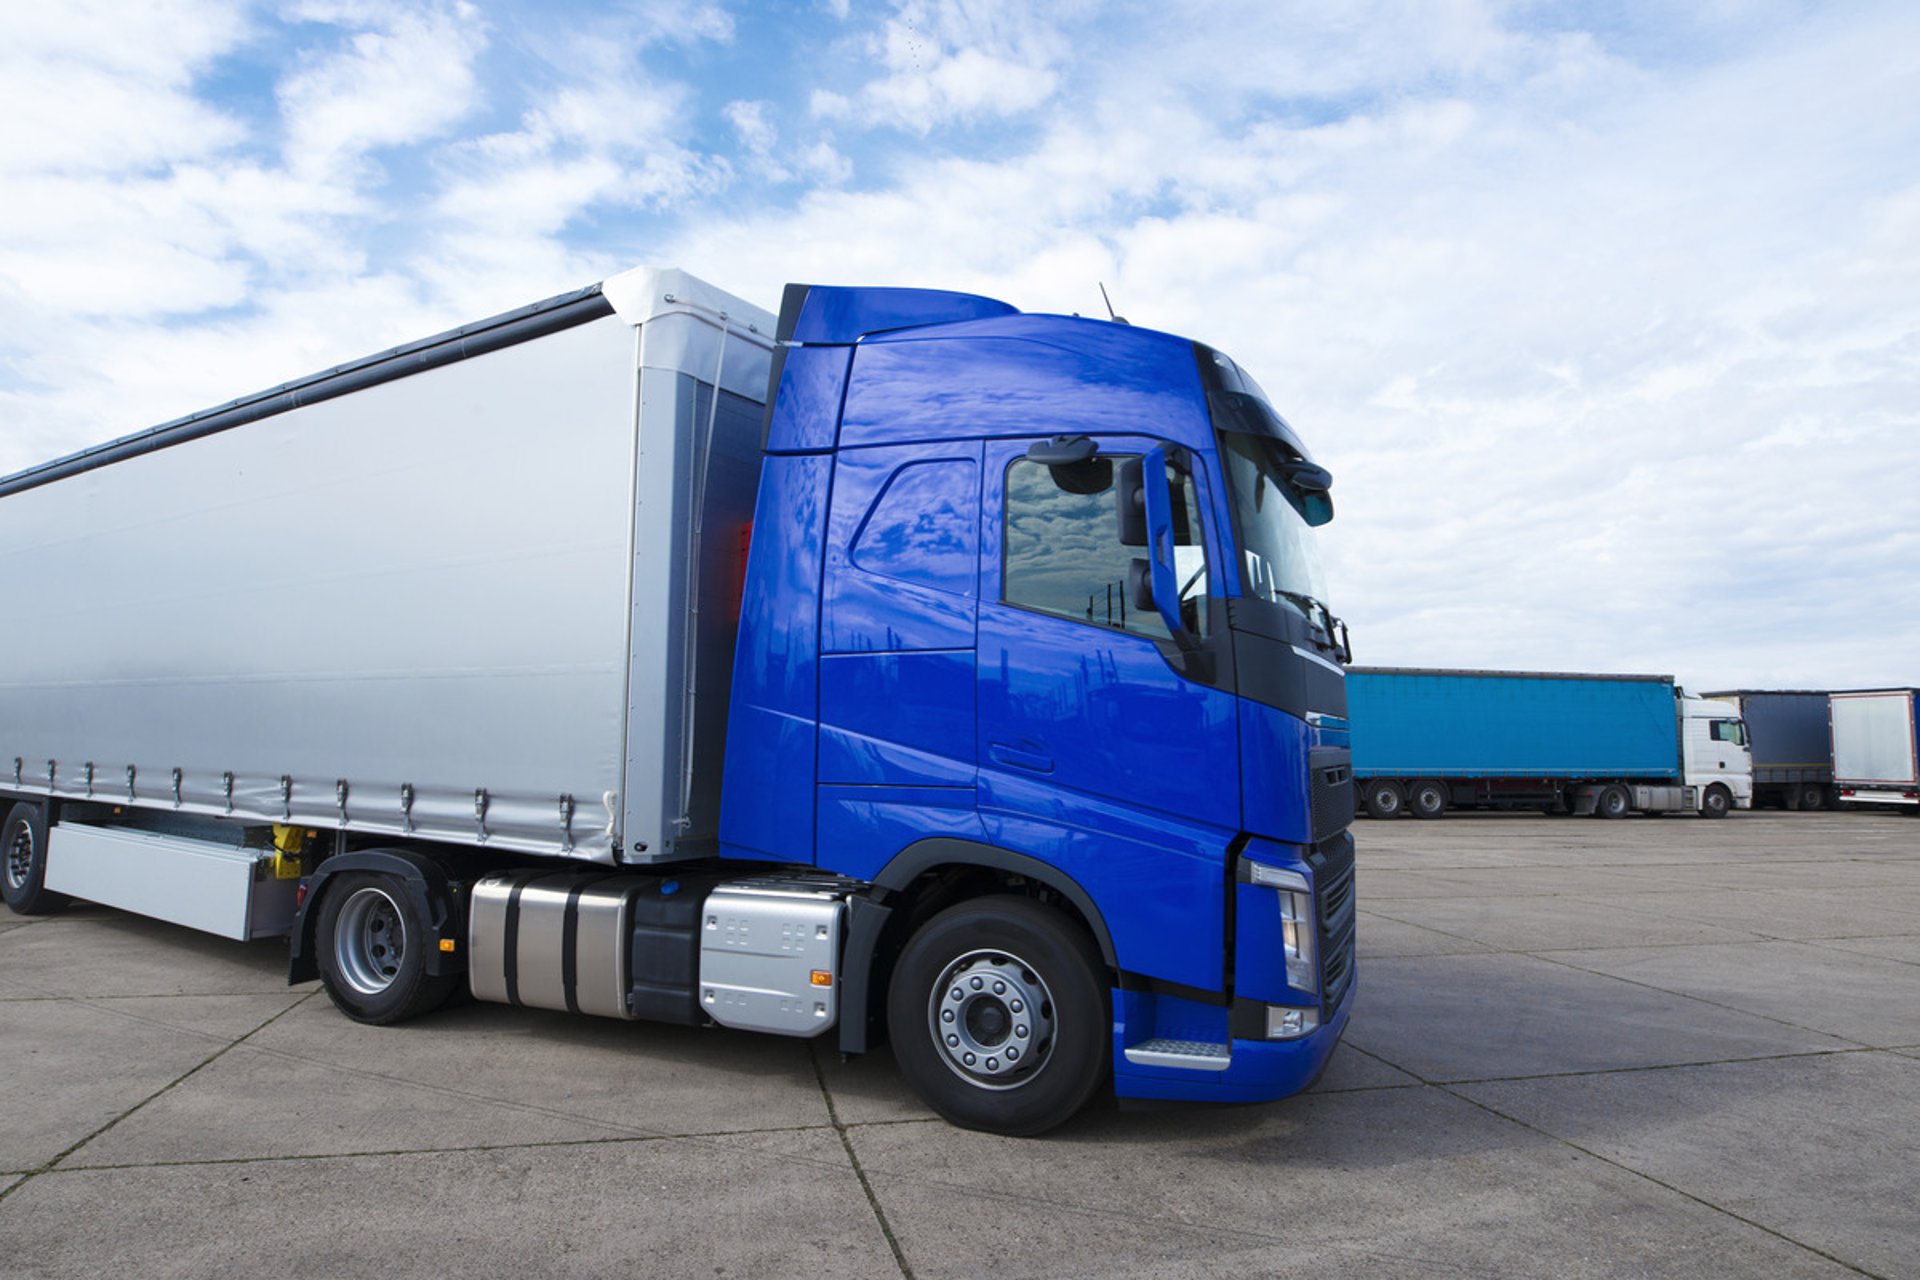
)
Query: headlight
[
  {"x": 1296, "y": 922},
  {"x": 1287, "y": 1023}
]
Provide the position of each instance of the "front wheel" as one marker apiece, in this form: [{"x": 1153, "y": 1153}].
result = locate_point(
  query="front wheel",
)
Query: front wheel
[
  {"x": 1716, "y": 802},
  {"x": 372, "y": 950},
  {"x": 998, "y": 1016},
  {"x": 23, "y": 877}
]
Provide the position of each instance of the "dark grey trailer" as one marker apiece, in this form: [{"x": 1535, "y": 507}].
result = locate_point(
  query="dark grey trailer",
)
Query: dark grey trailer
[{"x": 1792, "y": 749}]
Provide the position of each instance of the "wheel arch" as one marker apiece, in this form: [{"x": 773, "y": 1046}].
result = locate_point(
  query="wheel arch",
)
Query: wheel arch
[
  {"x": 925, "y": 878},
  {"x": 434, "y": 892}
]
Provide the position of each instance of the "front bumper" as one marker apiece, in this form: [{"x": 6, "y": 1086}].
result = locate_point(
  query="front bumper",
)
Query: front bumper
[{"x": 1254, "y": 1071}]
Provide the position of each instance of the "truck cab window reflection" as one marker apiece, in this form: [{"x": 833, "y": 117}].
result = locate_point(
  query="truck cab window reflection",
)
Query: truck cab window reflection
[{"x": 1063, "y": 550}]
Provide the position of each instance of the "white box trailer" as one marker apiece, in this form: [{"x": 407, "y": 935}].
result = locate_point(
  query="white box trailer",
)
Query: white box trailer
[
  {"x": 1875, "y": 760},
  {"x": 393, "y": 612}
]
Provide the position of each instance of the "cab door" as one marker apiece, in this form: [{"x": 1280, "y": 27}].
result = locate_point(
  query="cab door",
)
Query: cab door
[
  {"x": 897, "y": 734},
  {"x": 1094, "y": 753}
]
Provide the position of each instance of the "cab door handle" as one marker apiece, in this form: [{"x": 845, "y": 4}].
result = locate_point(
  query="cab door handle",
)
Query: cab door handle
[{"x": 1014, "y": 758}]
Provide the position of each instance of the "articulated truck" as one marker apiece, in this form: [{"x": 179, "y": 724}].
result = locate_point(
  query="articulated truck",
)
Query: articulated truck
[
  {"x": 901, "y": 668},
  {"x": 1425, "y": 741}
]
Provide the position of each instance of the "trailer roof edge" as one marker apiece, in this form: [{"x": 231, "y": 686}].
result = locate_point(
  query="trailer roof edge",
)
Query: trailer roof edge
[
  {"x": 550, "y": 315},
  {"x": 1509, "y": 675}
]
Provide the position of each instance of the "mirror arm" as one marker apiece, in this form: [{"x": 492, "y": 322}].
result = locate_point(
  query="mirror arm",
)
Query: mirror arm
[{"x": 1159, "y": 501}]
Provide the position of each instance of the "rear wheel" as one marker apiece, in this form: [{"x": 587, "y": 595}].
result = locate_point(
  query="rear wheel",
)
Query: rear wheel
[
  {"x": 372, "y": 951},
  {"x": 23, "y": 874},
  {"x": 1811, "y": 796},
  {"x": 1612, "y": 802},
  {"x": 1716, "y": 802},
  {"x": 998, "y": 1016},
  {"x": 1427, "y": 799},
  {"x": 1384, "y": 799}
]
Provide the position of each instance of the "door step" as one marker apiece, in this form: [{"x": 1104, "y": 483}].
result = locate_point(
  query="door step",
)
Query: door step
[{"x": 1190, "y": 1055}]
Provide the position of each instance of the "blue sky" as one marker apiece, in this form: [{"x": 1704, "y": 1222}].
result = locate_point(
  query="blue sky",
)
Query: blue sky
[{"x": 1606, "y": 318}]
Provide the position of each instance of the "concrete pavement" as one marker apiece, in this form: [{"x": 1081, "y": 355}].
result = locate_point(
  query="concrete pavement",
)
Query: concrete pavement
[{"x": 1659, "y": 1046}]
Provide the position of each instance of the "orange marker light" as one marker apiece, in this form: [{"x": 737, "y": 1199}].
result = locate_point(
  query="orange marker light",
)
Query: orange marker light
[
  {"x": 446, "y": 944},
  {"x": 822, "y": 978}
]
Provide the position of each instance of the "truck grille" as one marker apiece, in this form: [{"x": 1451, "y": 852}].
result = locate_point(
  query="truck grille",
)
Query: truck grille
[
  {"x": 1330, "y": 793},
  {"x": 1332, "y": 865}
]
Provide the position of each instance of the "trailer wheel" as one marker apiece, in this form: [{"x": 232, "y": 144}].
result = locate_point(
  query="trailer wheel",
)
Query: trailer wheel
[
  {"x": 23, "y": 878},
  {"x": 371, "y": 948},
  {"x": 1810, "y": 797},
  {"x": 998, "y": 1016},
  {"x": 1612, "y": 802},
  {"x": 1427, "y": 799},
  {"x": 1384, "y": 799},
  {"x": 1716, "y": 802}
]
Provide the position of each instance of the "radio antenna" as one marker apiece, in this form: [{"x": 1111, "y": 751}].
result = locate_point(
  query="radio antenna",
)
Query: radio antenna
[{"x": 1117, "y": 319}]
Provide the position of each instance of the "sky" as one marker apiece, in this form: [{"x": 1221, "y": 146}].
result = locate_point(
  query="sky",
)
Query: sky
[{"x": 1606, "y": 318}]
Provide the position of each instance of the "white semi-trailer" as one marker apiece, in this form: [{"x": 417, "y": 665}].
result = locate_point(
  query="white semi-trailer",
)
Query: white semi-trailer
[{"x": 1875, "y": 760}]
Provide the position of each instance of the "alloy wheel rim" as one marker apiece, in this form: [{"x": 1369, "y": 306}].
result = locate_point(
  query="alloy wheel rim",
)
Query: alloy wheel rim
[{"x": 991, "y": 1016}]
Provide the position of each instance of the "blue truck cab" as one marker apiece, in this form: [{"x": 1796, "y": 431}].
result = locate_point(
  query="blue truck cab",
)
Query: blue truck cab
[{"x": 1033, "y": 648}]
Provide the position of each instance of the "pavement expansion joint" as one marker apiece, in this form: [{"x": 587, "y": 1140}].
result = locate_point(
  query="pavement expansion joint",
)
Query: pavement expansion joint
[
  {"x": 470, "y": 1095},
  {"x": 1665, "y": 1185},
  {"x": 1452, "y": 1089},
  {"x": 859, "y": 1171},
  {"x": 1688, "y": 995},
  {"x": 54, "y": 1163},
  {"x": 305, "y": 1157},
  {"x": 1643, "y": 1068}
]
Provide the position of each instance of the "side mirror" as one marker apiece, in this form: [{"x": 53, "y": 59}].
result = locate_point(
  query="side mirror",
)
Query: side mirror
[
  {"x": 1130, "y": 504},
  {"x": 1311, "y": 481}
]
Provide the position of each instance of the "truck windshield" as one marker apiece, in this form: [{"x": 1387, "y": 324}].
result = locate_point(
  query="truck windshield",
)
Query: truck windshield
[
  {"x": 1265, "y": 463},
  {"x": 1278, "y": 559}
]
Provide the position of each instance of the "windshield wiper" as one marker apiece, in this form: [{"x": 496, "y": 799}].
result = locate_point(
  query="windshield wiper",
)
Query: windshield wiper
[
  {"x": 1327, "y": 630},
  {"x": 1317, "y": 612}
]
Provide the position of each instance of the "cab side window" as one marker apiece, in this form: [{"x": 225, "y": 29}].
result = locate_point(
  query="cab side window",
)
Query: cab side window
[{"x": 1064, "y": 555}]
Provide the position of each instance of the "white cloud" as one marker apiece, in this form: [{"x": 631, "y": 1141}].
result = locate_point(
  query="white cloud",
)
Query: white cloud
[
  {"x": 99, "y": 87},
  {"x": 947, "y": 60},
  {"x": 1608, "y": 336},
  {"x": 405, "y": 76}
]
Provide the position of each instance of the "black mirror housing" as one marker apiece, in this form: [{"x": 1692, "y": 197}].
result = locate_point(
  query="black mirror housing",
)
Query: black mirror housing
[{"x": 1130, "y": 506}]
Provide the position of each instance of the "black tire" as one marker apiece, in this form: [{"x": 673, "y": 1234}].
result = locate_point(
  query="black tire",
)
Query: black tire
[
  {"x": 371, "y": 945},
  {"x": 23, "y": 863},
  {"x": 1426, "y": 799},
  {"x": 1716, "y": 802},
  {"x": 1810, "y": 797},
  {"x": 1612, "y": 802},
  {"x": 1384, "y": 798},
  {"x": 988, "y": 1058}
]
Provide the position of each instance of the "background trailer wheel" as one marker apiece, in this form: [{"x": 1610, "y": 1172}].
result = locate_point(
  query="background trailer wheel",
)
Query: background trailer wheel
[
  {"x": 372, "y": 951},
  {"x": 1384, "y": 799},
  {"x": 1427, "y": 799},
  {"x": 998, "y": 1015},
  {"x": 23, "y": 863}
]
